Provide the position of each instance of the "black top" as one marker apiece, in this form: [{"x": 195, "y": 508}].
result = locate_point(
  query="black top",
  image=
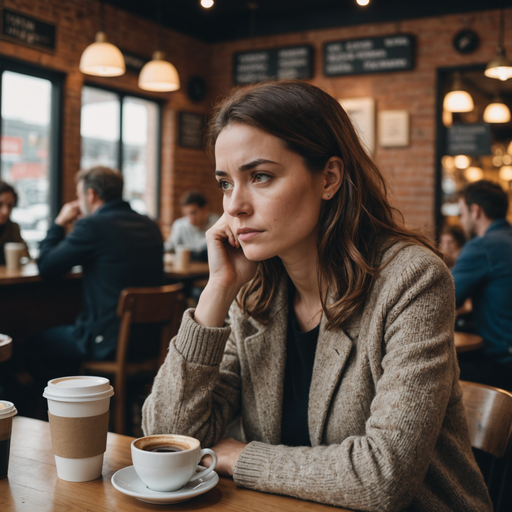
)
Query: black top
[
  {"x": 300, "y": 358},
  {"x": 117, "y": 248}
]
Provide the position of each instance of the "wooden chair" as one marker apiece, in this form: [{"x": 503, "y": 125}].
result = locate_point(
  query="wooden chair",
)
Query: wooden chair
[
  {"x": 162, "y": 304},
  {"x": 489, "y": 415}
]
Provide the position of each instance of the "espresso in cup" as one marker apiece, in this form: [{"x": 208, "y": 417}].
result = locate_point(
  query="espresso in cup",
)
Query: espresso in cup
[{"x": 167, "y": 462}]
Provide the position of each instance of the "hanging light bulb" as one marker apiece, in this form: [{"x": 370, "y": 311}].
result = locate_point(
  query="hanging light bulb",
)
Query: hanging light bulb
[
  {"x": 500, "y": 67},
  {"x": 159, "y": 75},
  {"x": 102, "y": 58},
  {"x": 363, "y": 2},
  {"x": 473, "y": 174},
  {"x": 206, "y": 3},
  {"x": 462, "y": 161},
  {"x": 505, "y": 173},
  {"x": 497, "y": 112},
  {"x": 458, "y": 100}
]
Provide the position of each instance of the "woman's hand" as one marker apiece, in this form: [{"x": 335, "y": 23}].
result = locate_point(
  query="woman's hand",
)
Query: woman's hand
[
  {"x": 228, "y": 451},
  {"x": 229, "y": 271}
]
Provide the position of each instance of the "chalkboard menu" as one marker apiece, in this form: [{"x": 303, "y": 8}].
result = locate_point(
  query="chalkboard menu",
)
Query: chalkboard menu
[
  {"x": 292, "y": 62},
  {"x": 469, "y": 139},
  {"x": 27, "y": 30},
  {"x": 191, "y": 128},
  {"x": 371, "y": 55},
  {"x": 134, "y": 62}
]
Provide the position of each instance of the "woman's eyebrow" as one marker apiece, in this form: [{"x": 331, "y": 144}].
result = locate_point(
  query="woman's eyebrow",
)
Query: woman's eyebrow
[{"x": 248, "y": 167}]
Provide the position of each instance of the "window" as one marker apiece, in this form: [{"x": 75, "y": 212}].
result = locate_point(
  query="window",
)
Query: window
[
  {"x": 123, "y": 132},
  {"x": 29, "y": 145}
]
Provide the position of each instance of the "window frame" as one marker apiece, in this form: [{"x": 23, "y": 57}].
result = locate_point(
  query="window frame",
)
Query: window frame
[
  {"x": 55, "y": 161},
  {"x": 159, "y": 103}
]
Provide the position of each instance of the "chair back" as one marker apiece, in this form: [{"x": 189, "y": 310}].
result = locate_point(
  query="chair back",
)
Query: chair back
[{"x": 489, "y": 415}]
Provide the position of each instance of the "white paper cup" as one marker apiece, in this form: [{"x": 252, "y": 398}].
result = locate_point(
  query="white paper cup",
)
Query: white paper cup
[
  {"x": 7, "y": 411},
  {"x": 183, "y": 256},
  {"x": 77, "y": 397},
  {"x": 13, "y": 252}
]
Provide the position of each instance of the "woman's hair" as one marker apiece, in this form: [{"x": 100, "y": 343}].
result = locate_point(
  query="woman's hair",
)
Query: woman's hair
[
  {"x": 356, "y": 226},
  {"x": 5, "y": 187},
  {"x": 457, "y": 233}
]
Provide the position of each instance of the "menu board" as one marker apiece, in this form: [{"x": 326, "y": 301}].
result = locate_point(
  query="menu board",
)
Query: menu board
[
  {"x": 292, "y": 62},
  {"x": 191, "y": 128},
  {"x": 469, "y": 139},
  {"x": 27, "y": 30},
  {"x": 134, "y": 62},
  {"x": 370, "y": 55}
]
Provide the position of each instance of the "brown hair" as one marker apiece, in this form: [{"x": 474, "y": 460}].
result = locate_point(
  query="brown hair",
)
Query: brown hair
[
  {"x": 106, "y": 182},
  {"x": 355, "y": 227},
  {"x": 5, "y": 187},
  {"x": 193, "y": 197}
]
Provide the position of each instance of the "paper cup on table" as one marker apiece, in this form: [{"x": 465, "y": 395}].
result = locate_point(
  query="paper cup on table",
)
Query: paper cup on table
[
  {"x": 13, "y": 252},
  {"x": 183, "y": 256},
  {"x": 7, "y": 411},
  {"x": 78, "y": 413}
]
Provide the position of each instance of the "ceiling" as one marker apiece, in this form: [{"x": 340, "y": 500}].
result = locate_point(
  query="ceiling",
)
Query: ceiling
[{"x": 237, "y": 19}]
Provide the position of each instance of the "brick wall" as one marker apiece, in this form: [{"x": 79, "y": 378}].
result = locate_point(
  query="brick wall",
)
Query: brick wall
[{"x": 410, "y": 170}]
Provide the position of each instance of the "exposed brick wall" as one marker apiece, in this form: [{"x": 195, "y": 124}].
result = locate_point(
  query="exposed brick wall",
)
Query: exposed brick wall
[{"x": 410, "y": 170}]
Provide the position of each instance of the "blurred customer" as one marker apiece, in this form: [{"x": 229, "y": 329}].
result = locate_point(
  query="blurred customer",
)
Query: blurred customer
[
  {"x": 483, "y": 273},
  {"x": 451, "y": 242},
  {"x": 190, "y": 229},
  {"x": 9, "y": 230},
  {"x": 117, "y": 248}
]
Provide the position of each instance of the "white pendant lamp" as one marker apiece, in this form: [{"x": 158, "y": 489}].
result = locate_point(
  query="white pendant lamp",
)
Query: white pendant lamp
[
  {"x": 500, "y": 67},
  {"x": 496, "y": 112},
  {"x": 102, "y": 58},
  {"x": 159, "y": 75},
  {"x": 458, "y": 100}
]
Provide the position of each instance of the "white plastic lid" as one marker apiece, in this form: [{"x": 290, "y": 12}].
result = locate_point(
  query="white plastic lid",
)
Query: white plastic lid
[
  {"x": 81, "y": 388},
  {"x": 14, "y": 245},
  {"x": 7, "y": 409}
]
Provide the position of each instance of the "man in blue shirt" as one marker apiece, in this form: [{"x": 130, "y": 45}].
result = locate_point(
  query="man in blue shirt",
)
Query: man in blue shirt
[{"x": 483, "y": 273}]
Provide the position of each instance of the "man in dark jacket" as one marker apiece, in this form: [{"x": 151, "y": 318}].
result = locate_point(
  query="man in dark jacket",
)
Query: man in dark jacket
[
  {"x": 483, "y": 273},
  {"x": 117, "y": 248}
]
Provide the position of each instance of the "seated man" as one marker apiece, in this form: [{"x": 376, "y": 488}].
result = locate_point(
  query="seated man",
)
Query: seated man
[
  {"x": 483, "y": 273},
  {"x": 190, "y": 229},
  {"x": 117, "y": 248}
]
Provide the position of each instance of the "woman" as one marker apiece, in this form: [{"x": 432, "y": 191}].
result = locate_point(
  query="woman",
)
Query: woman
[
  {"x": 339, "y": 357},
  {"x": 450, "y": 244},
  {"x": 9, "y": 231}
]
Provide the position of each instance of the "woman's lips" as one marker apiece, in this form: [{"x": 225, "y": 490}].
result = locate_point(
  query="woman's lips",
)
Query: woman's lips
[{"x": 247, "y": 235}]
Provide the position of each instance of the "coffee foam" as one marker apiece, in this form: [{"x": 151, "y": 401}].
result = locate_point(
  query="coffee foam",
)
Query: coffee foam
[
  {"x": 183, "y": 442},
  {"x": 2, "y": 406}
]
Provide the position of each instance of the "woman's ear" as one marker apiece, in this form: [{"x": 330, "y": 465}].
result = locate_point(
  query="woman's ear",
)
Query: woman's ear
[{"x": 333, "y": 176}]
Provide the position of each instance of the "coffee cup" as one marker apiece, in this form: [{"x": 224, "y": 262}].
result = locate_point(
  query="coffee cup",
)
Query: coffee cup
[
  {"x": 13, "y": 252},
  {"x": 78, "y": 413},
  {"x": 167, "y": 462},
  {"x": 7, "y": 411},
  {"x": 183, "y": 253}
]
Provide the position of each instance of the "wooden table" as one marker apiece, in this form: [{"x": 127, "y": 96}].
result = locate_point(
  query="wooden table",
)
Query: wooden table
[
  {"x": 464, "y": 342},
  {"x": 194, "y": 270},
  {"x": 33, "y": 486}
]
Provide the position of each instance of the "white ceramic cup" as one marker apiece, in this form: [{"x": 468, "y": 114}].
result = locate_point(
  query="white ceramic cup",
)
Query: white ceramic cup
[
  {"x": 169, "y": 471},
  {"x": 13, "y": 252},
  {"x": 78, "y": 397},
  {"x": 183, "y": 256}
]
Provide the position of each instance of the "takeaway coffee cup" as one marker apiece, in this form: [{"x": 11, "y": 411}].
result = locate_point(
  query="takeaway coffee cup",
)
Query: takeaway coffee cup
[
  {"x": 13, "y": 252},
  {"x": 78, "y": 414},
  {"x": 182, "y": 255},
  {"x": 7, "y": 411},
  {"x": 167, "y": 462}
]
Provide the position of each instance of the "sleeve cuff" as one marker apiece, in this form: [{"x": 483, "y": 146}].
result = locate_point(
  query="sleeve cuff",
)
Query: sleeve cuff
[
  {"x": 199, "y": 344},
  {"x": 250, "y": 467}
]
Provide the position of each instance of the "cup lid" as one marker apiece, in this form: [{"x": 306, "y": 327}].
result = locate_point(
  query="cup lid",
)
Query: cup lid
[
  {"x": 81, "y": 388},
  {"x": 7, "y": 409},
  {"x": 14, "y": 245}
]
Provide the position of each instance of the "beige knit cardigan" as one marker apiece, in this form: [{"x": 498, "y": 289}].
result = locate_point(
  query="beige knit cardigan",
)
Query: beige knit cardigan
[{"x": 387, "y": 426}]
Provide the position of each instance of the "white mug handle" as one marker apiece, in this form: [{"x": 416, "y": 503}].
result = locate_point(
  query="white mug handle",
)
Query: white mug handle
[{"x": 202, "y": 474}]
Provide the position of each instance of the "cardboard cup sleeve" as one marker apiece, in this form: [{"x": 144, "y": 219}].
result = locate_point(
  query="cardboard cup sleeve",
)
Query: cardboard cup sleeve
[
  {"x": 79, "y": 438},
  {"x": 5, "y": 428}
]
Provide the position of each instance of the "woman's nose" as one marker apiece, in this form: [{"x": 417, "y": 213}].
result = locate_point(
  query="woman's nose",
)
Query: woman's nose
[{"x": 238, "y": 202}]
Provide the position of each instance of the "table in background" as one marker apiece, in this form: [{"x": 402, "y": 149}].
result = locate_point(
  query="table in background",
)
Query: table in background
[
  {"x": 33, "y": 485},
  {"x": 464, "y": 342}
]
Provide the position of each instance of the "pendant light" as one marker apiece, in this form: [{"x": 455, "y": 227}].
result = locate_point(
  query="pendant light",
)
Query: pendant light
[
  {"x": 473, "y": 174},
  {"x": 505, "y": 173},
  {"x": 500, "y": 67},
  {"x": 497, "y": 112},
  {"x": 458, "y": 100},
  {"x": 159, "y": 74},
  {"x": 102, "y": 58}
]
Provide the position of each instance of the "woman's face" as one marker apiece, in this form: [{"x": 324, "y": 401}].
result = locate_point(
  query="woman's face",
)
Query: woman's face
[
  {"x": 6, "y": 206},
  {"x": 271, "y": 201}
]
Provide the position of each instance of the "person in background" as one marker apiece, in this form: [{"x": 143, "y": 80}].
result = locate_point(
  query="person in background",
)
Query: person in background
[
  {"x": 190, "y": 229},
  {"x": 451, "y": 242},
  {"x": 9, "y": 230},
  {"x": 483, "y": 273},
  {"x": 117, "y": 248}
]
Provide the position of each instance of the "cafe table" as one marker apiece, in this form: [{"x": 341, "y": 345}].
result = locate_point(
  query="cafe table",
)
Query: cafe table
[
  {"x": 33, "y": 485},
  {"x": 464, "y": 341}
]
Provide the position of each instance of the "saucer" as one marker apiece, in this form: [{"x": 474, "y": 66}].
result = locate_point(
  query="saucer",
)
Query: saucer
[{"x": 128, "y": 482}]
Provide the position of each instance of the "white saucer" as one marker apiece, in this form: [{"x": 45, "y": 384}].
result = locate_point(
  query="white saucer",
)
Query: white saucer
[{"x": 128, "y": 482}]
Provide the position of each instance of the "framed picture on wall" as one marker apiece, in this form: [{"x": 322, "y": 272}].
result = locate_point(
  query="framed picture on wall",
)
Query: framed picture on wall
[
  {"x": 393, "y": 128},
  {"x": 362, "y": 114}
]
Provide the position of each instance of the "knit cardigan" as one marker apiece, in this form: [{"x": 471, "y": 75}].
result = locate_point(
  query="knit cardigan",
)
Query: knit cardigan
[{"x": 386, "y": 422}]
